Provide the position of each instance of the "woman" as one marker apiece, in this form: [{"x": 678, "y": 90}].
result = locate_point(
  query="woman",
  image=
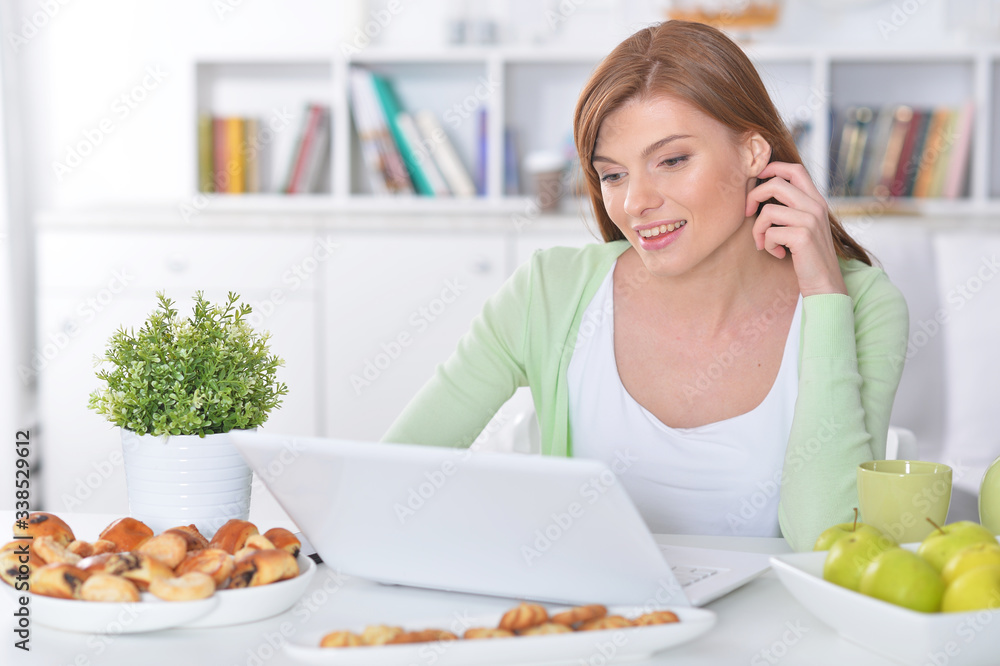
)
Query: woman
[{"x": 728, "y": 340}]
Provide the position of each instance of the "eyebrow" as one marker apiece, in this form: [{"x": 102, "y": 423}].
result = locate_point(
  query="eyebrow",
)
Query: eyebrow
[{"x": 648, "y": 150}]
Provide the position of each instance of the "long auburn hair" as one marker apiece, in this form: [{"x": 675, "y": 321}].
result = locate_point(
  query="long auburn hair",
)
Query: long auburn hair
[{"x": 699, "y": 65}]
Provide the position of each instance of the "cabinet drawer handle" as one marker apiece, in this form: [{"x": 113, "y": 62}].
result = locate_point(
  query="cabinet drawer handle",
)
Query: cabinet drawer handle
[{"x": 177, "y": 264}]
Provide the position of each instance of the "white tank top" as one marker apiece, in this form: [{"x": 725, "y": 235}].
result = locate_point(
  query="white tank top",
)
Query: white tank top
[{"x": 720, "y": 478}]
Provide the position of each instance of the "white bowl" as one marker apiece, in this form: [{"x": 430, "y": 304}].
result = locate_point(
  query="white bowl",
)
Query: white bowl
[{"x": 900, "y": 634}]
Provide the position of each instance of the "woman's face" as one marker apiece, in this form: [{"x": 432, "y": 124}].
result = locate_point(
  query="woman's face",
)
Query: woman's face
[{"x": 675, "y": 181}]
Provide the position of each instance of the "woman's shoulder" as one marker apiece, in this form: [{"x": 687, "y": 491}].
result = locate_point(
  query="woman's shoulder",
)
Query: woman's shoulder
[{"x": 870, "y": 285}]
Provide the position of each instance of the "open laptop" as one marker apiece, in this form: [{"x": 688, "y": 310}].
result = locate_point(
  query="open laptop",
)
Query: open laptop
[{"x": 522, "y": 526}]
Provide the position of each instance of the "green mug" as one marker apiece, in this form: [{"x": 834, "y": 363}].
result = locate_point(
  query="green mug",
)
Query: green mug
[{"x": 898, "y": 496}]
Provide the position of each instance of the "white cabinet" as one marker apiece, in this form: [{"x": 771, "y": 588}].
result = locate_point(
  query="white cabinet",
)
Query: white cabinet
[{"x": 395, "y": 306}]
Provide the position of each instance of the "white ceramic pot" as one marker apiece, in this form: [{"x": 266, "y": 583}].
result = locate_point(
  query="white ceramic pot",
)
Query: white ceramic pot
[{"x": 184, "y": 479}]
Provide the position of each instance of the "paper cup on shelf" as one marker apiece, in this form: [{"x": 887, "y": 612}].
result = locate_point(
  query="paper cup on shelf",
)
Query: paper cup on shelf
[{"x": 546, "y": 170}]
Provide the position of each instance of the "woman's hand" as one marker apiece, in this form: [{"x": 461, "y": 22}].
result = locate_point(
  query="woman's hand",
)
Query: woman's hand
[{"x": 801, "y": 227}]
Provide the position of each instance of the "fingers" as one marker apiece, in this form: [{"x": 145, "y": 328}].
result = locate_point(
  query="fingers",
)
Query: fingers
[
  {"x": 773, "y": 217},
  {"x": 788, "y": 192}
]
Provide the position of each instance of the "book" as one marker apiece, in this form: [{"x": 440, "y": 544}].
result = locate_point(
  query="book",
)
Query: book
[
  {"x": 511, "y": 162},
  {"x": 958, "y": 167},
  {"x": 422, "y": 160},
  {"x": 307, "y": 146},
  {"x": 859, "y": 123},
  {"x": 376, "y": 131},
  {"x": 220, "y": 158},
  {"x": 482, "y": 150},
  {"x": 450, "y": 164},
  {"x": 902, "y": 117},
  {"x": 206, "y": 167},
  {"x": 933, "y": 145},
  {"x": 898, "y": 186},
  {"x": 251, "y": 155},
  {"x": 939, "y": 173},
  {"x": 235, "y": 154},
  {"x": 912, "y": 166},
  {"x": 318, "y": 164},
  {"x": 391, "y": 109}
]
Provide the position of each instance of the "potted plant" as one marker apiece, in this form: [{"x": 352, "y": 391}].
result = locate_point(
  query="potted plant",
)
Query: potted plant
[{"x": 176, "y": 387}]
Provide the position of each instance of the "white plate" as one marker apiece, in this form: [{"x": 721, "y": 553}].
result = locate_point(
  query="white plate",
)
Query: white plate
[
  {"x": 897, "y": 633},
  {"x": 225, "y": 607},
  {"x": 603, "y": 647},
  {"x": 256, "y": 603},
  {"x": 97, "y": 617}
]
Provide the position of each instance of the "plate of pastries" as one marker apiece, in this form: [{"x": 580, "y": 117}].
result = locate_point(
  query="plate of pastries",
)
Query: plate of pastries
[
  {"x": 130, "y": 580},
  {"x": 525, "y": 633}
]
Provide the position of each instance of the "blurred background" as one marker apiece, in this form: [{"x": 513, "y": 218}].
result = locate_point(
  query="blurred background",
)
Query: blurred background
[{"x": 223, "y": 146}]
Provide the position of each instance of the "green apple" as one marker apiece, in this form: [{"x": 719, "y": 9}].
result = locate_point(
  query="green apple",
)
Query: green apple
[
  {"x": 849, "y": 556},
  {"x": 938, "y": 546},
  {"x": 968, "y": 558},
  {"x": 903, "y": 578},
  {"x": 833, "y": 534},
  {"x": 976, "y": 589}
]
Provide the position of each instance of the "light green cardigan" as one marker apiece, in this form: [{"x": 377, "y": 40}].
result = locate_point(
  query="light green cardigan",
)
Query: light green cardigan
[{"x": 850, "y": 359}]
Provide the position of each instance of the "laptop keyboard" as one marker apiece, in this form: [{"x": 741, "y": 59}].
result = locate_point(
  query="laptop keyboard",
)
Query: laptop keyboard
[{"x": 687, "y": 575}]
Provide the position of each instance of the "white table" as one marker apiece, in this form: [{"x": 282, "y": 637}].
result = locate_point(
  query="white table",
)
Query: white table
[{"x": 758, "y": 624}]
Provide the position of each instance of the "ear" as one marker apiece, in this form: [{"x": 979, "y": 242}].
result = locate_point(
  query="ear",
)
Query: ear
[{"x": 757, "y": 152}]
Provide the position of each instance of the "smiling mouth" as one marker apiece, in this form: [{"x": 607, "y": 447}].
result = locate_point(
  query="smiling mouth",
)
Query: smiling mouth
[{"x": 662, "y": 229}]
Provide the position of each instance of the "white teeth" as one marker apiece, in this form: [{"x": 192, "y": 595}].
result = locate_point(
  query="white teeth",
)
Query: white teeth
[{"x": 662, "y": 229}]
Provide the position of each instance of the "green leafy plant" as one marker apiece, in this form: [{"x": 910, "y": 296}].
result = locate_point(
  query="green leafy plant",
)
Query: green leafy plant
[{"x": 208, "y": 373}]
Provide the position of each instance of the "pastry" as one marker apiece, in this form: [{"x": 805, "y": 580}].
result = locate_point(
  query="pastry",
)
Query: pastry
[
  {"x": 487, "y": 632},
  {"x": 62, "y": 581},
  {"x": 188, "y": 587},
  {"x": 341, "y": 639},
  {"x": 254, "y": 542},
  {"x": 41, "y": 524},
  {"x": 167, "y": 548},
  {"x": 609, "y": 622},
  {"x": 106, "y": 587},
  {"x": 127, "y": 534},
  {"x": 524, "y": 616},
  {"x": 17, "y": 561},
  {"x": 284, "y": 539},
  {"x": 575, "y": 616},
  {"x": 195, "y": 539},
  {"x": 656, "y": 617},
  {"x": 81, "y": 548},
  {"x": 545, "y": 629},
  {"x": 424, "y": 636},
  {"x": 379, "y": 634},
  {"x": 139, "y": 568},
  {"x": 262, "y": 567},
  {"x": 216, "y": 563},
  {"x": 233, "y": 535},
  {"x": 53, "y": 552}
]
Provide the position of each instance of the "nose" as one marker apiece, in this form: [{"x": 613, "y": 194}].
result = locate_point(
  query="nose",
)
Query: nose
[{"x": 642, "y": 195}]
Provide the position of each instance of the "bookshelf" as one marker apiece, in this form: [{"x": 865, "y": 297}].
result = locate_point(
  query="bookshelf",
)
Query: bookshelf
[{"x": 532, "y": 91}]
